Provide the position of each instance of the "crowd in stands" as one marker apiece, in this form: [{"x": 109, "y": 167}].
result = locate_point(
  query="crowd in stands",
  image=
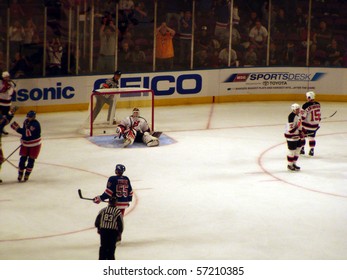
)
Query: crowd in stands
[{"x": 178, "y": 42}]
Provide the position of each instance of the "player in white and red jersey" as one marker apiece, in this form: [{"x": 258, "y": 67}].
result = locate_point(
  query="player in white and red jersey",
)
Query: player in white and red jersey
[
  {"x": 7, "y": 89},
  {"x": 311, "y": 117},
  {"x": 293, "y": 133},
  {"x": 136, "y": 129}
]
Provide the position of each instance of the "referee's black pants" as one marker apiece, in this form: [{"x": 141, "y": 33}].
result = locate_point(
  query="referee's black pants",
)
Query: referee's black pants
[{"x": 108, "y": 239}]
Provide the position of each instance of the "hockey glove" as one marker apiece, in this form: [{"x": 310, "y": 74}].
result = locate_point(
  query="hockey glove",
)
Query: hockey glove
[
  {"x": 14, "y": 125},
  {"x": 97, "y": 199}
]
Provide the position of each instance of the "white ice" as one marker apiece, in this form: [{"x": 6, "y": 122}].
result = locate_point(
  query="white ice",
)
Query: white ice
[{"x": 221, "y": 191}]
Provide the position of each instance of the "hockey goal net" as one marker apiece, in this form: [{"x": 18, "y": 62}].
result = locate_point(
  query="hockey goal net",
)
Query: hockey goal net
[{"x": 117, "y": 104}]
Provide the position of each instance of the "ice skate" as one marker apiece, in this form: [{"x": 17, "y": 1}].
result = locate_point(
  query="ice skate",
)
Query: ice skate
[
  {"x": 291, "y": 168},
  {"x": 297, "y": 168},
  {"x": 311, "y": 153},
  {"x": 302, "y": 151},
  {"x": 20, "y": 176},
  {"x": 26, "y": 177}
]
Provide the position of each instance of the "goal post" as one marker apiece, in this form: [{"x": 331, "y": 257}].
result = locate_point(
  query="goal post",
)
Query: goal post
[{"x": 120, "y": 103}]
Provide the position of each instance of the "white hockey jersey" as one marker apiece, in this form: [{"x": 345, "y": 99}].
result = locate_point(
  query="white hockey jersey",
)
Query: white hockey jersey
[
  {"x": 7, "y": 89},
  {"x": 139, "y": 124}
]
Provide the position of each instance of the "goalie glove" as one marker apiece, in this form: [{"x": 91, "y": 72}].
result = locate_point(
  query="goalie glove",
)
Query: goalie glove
[
  {"x": 119, "y": 131},
  {"x": 14, "y": 125}
]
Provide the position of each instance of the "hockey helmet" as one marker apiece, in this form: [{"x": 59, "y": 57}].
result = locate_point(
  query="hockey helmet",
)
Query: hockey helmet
[
  {"x": 31, "y": 114},
  {"x": 295, "y": 106},
  {"x": 120, "y": 168},
  {"x": 5, "y": 74},
  {"x": 117, "y": 72},
  {"x": 310, "y": 95}
]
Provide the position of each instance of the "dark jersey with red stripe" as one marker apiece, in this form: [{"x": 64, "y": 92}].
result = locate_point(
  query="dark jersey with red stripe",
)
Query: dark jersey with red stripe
[
  {"x": 119, "y": 187},
  {"x": 31, "y": 133}
]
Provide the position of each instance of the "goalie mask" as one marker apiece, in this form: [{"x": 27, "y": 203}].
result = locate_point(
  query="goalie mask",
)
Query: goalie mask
[
  {"x": 120, "y": 168},
  {"x": 310, "y": 95}
]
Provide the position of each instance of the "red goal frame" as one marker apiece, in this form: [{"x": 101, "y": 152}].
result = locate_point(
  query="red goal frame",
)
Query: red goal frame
[{"x": 114, "y": 91}]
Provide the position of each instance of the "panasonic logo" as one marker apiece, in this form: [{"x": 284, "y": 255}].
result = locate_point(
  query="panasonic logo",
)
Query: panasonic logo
[{"x": 50, "y": 93}]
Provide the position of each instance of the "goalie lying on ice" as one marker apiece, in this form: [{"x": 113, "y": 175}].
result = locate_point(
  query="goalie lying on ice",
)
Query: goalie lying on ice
[{"x": 136, "y": 129}]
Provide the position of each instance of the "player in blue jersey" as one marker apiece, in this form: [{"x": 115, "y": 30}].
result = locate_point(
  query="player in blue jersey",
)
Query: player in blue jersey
[
  {"x": 31, "y": 144},
  {"x": 118, "y": 186}
]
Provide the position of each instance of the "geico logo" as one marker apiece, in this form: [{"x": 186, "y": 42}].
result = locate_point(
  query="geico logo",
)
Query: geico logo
[
  {"x": 50, "y": 93},
  {"x": 163, "y": 85},
  {"x": 166, "y": 84}
]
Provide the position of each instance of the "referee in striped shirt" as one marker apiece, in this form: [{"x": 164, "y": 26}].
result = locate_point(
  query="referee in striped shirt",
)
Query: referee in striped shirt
[{"x": 110, "y": 225}]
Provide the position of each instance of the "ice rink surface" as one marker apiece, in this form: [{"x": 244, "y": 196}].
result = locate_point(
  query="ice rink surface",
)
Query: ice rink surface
[{"x": 219, "y": 191}]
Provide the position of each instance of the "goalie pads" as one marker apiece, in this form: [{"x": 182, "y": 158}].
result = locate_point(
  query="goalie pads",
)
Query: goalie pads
[
  {"x": 150, "y": 140},
  {"x": 129, "y": 137}
]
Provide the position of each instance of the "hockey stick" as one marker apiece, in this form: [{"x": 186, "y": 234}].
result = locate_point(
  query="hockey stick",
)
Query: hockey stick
[
  {"x": 6, "y": 159},
  {"x": 156, "y": 134},
  {"x": 85, "y": 198},
  {"x": 333, "y": 114},
  {"x": 81, "y": 196}
]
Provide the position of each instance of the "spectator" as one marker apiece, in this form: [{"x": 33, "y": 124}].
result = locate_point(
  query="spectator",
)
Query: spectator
[
  {"x": 106, "y": 60},
  {"x": 19, "y": 66},
  {"x": 173, "y": 13},
  {"x": 203, "y": 39},
  {"x": 201, "y": 59},
  {"x": 322, "y": 36},
  {"x": 138, "y": 59},
  {"x": 289, "y": 54},
  {"x": 127, "y": 9},
  {"x": 334, "y": 54},
  {"x": 251, "y": 58},
  {"x": 299, "y": 20},
  {"x": 55, "y": 53},
  {"x": 16, "y": 34},
  {"x": 164, "y": 48},
  {"x": 16, "y": 10},
  {"x": 224, "y": 57},
  {"x": 248, "y": 23},
  {"x": 258, "y": 38},
  {"x": 30, "y": 33},
  {"x": 127, "y": 38},
  {"x": 258, "y": 35},
  {"x": 274, "y": 55},
  {"x": 236, "y": 39},
  {"x": 141, "y": 12},
  {"x": 124, "y": 57},
  {"x": 282, "y": 22},
  {"x": 185, "y": 36},
  {"x": 30, "y": 30},
  {"x": 221, "y": 13}
]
